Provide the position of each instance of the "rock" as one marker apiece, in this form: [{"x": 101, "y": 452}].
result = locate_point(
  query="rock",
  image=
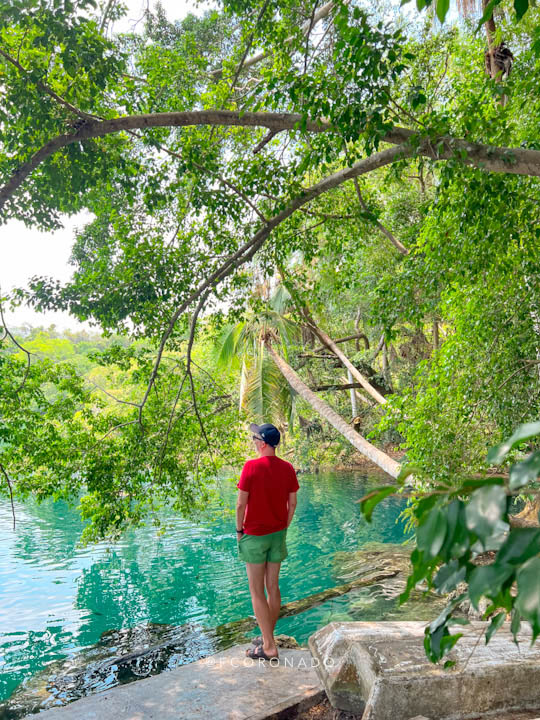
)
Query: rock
[
  {"x": 286, "y": 641},
  {"x": 224, "y": 686},
  {"x": 380, "y": 669}
]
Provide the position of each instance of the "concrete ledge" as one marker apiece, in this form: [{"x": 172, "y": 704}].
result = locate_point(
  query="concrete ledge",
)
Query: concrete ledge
[
  {"x": 380, "y": 670},
  {"x": 224, "y": 686}
]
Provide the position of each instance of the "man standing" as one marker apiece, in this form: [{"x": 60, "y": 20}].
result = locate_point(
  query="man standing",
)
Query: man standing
[{"x": 264, "y": 510}]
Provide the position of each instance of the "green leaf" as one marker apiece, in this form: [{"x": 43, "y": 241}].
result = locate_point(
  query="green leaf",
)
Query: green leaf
[
  {"x": 431, "y": 533},
  {"x": 521, "y": 7},
  {"x": 515, "y": 624},
  {"x": 449, "y": 577},
  {"x": 442, "y": 8},
  {"x": 495, "y": 624},
  {"x": 528, "y": 595},
  {"x": 370, "y": 502},
  {"x": 424, "y": 506},
  {"x": 453, "y": 511},
  {"x": 487, "y": 581},
  {"x": 484, "y": 513},
  {"x": 445, "y": 614},
  {"x": 521, "y": 544},
  {"x": 438, "y": 641},
  {"x": 524, "y": 432},
  {"x": 448, "y": 641},
  {"x": 525, "y": 472}
]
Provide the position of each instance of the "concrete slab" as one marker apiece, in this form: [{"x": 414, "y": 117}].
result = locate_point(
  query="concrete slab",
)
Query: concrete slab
[
  {"x": 224, "y": 686},
  {"x": 380, "y": 670}
]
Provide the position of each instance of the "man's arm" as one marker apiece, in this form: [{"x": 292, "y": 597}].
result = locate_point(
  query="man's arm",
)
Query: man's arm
[
  {"x": 241, "y": 503},
  {"x": 292, "y": 507}
]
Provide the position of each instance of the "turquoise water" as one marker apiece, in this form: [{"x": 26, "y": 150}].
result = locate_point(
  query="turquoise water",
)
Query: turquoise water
[{"x": 57, "y": 599}]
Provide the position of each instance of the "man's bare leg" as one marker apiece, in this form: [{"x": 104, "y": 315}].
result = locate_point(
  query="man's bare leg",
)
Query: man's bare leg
[
  {"x": 271, "y": 580},
  {"x": 256, "y": 575}
]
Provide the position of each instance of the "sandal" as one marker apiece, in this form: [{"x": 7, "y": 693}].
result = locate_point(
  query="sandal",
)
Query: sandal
[
  {"x": 258, "y": 652},
  {"x": 257, "y": 640}
]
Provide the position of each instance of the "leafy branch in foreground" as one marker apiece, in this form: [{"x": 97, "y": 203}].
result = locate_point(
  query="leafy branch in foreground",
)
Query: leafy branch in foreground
[
  {"x": 466, "y": 545},
  {"x": 65, "y": 436}
]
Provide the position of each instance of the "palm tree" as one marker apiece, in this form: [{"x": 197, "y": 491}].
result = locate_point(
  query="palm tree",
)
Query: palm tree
[
  {"x": 262, "y": 342},
  {"x": 377, "y": 456},
  {"x": 264, "y": 392}
]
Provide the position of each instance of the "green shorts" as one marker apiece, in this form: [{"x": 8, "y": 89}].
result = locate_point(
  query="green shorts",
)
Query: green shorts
[{"x": 260, "y": 548}]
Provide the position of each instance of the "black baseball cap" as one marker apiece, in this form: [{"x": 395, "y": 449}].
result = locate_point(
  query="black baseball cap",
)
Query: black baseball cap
[{"x": 269, "y": 433}]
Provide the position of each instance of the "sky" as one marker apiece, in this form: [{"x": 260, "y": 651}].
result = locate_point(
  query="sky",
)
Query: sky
[{"x": 27, "y": 252}]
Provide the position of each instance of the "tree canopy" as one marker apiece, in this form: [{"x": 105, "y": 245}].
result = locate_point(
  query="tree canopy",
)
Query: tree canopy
[{"x": 381, "y": 167}]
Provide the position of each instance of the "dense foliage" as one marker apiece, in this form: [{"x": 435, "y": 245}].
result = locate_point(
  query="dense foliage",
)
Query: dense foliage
[{"x": 262, "y": 177}]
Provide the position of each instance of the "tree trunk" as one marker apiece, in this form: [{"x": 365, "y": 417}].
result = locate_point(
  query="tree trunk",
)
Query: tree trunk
[
  {"x": 330, "y": 344},
  {"x": 385, "y": 366},
  {"x": 491, "y": 67},
  {"x": 528, "y": 517},
  {"x": 347, "y": 364},
  {"x": 384, "y": 461},
  {"x": 354, "y": 410},
  {"x": 435, "y": 336},
  {"x": 357, "y": 328}
]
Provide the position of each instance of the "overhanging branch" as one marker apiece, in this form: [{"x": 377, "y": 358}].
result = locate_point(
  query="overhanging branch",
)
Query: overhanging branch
[
  {"x": 248, "y": 250},
  {"x": 518, "y": 161},
  {"x": 306, "y": 28}
]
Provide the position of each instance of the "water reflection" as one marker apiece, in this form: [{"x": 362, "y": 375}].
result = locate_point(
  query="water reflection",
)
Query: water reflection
[{"x": 57, "y": 599}]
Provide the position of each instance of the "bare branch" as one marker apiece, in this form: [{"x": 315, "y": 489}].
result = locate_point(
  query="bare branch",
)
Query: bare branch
[
  {"x": 236, "y": 190},
  {"x": 113, "y": 397},
  {"x": 105, "y": 17},
  {"x": 356, "y": 374},
  {"x": 347, "y": 338},
  {"x": 345, "y": 386},
  {"x": 170, "y": 424},
  {"x": 519, "y": 161},
  {"x": 242, "y": 62},
  {"x": 10, "y": 488},
  {"x": 266, "y": 139},
  {"x": 116, "y": 427},
  {"x": 306, "y": 28},
  {"x": 8, "y": 333},
  {"x": 377, "y": 349}
]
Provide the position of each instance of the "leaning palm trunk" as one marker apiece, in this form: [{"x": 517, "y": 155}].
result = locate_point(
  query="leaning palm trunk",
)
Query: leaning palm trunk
[
  {"x": 331, "y": 345},
  {"x": 384, "y": 461}
]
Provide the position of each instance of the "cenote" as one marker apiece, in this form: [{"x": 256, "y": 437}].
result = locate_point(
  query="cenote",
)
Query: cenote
[{"x": 60, "y": 602}]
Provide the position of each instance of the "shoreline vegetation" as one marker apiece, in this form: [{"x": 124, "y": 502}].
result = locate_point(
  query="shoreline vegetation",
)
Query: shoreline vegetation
[{"x": 323, "y": 217}]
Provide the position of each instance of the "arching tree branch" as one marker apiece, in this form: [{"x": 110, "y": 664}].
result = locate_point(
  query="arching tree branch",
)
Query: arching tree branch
[
  {"x": 248, "y": 250},
  {"x": 520, "y": 161}
]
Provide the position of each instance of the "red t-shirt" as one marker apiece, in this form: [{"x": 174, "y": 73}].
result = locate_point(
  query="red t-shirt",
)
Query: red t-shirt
[{"x": 268, "y": 480}]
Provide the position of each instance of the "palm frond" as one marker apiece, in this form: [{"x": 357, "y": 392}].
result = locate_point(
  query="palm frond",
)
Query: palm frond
[
  {"x": 280, "y": 301},
  {"x": 228, "y": 346}
]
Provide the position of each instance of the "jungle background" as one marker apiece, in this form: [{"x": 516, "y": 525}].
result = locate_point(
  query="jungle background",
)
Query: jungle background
[{"x": 319, "y": 215}]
